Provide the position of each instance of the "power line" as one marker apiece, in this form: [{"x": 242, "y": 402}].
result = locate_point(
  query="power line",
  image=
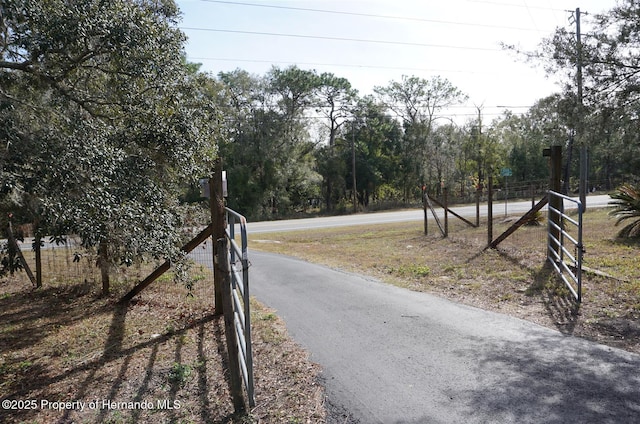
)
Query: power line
[
  {"x": 498, "y": 3},
  {"x": 369, "y": 15},
  {"x": 449, "y": 115},
  {"x": 530, "y": 14},
  {"x": 344, "y": 65},
  {"x": 359, "y": 40}
]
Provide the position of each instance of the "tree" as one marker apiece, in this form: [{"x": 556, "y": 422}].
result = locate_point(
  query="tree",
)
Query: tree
[
  {"x": 293, "y": 91},
  {"x": 611, "y": 80},
  {"x": 417, "y": 102},
  {"x": 610, "y": 73},
  {"x": 336, "y": 99},
  {"x": 445, "y": 140},
  {"x": 103, "y": 122},
  {"x": 526, "y": 136},
  {"x": 377, "y": 137},
  {"x": 242, "y": 97},
  {"x": 268, "y": 154}
]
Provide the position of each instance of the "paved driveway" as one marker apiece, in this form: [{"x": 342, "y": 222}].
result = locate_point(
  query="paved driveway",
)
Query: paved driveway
[{"x": 391, "y": 355}]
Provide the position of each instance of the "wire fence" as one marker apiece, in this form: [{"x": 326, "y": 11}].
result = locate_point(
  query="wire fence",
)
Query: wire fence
[
  {"x": 201, "y": 270},
  {"x": 529, "y": 240},
  {"x": 69, "y": 263}
]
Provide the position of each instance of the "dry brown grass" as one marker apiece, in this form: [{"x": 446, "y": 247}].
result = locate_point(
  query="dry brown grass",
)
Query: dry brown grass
[
  {"x": 512, "y": 279},
  {"x": 66, "y": 343}
]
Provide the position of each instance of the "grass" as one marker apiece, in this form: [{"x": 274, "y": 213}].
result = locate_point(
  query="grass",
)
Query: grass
[
  {"x": 66, "y": 342},
  {"x": 512, "y": 279}
]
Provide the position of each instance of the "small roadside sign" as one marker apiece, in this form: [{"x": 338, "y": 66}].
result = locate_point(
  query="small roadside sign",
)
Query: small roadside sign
[{"x": 506, "y": 172}]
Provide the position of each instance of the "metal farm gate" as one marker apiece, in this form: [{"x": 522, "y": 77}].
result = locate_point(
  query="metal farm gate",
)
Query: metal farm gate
[
  {"x": 564, "y": 246},
  {"x": 237, "y": 264}
]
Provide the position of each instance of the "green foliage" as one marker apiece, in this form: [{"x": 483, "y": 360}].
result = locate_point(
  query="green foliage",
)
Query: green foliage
[
  {"x": 103, "y": 121},
  {"x": 105, "y": 125},
  {"x": 418, "y": 102},
  {"x": 626, "y": 202},
  {"x": 377, "y": 138},
  {"x": 606, "y": 118},
  {"x": 414, "y": 270},
  {"x": 536, "y": 220},
  {"x": 179, "y": 374},
  {"x": 9, "y": 261},
  {"x": 524, "y": 137},
  {"x": 268, "y": 152}
]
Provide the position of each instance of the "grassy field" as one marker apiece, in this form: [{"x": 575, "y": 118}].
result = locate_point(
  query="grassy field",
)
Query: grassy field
[{"x": 512, "y": 279}]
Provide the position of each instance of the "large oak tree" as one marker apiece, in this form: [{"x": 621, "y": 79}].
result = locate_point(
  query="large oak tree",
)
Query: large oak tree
[{"x": 100, "y": 122}]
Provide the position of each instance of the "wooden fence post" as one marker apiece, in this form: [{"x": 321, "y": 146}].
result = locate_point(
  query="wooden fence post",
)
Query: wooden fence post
[
  {"x": 23, "y": 261},
  {"x": 490, "y": 210},
  {"x": 216, "y": 204},
  {"x": 37, "y": 247},
  {"x": 424, "y": 207},
  {"x": 478, "y": 192},
  {"x": 445, "y": 193}
]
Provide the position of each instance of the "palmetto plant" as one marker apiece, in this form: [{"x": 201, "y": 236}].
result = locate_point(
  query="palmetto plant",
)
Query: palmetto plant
[{"x": 626, "y": 202}]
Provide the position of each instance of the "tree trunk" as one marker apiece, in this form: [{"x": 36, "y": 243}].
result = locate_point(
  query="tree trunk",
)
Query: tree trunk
[
  {"x": 328, "y": 194},
  {"x": 38, "y": 251},
  {"x": 103, "y": 261}
]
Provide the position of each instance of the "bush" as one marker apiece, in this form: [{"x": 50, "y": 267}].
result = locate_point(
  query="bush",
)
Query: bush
[{"x": 626, "y": 202}]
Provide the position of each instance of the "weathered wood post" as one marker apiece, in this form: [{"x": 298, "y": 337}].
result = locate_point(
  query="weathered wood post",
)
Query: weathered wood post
[
  {"x": 490, "y": 210},
  {"x": 424, "y": 207},
  {"x": 14, "y": 245},
  {"x": 216, "y": 204},
  {"x": 37, "y": 248},
  {"x": 445, "y": 193},
  {"x": 478, "y": 193},
  {"x": 533, "y": 196}
]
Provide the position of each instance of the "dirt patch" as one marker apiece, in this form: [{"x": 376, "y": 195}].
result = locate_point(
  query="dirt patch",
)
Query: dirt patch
[
  {"x": 68, "y": 355},
  {"x": 66, "y": 343}
]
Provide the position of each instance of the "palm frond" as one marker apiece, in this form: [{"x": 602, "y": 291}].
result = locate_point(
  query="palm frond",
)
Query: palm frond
[{"x": 626, "y": 205}]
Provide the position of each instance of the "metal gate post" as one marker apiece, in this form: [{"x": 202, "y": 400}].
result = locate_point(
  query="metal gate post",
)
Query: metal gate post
[
  {"x": 235, "y": 378},
  {"x": 555, "y": 202},
  {"x": 567, "y": 264},
  {"x": 580, "y": 252}
]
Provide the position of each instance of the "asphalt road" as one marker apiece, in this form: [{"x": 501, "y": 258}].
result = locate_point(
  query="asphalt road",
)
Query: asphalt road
[
  {"x": 390, "y": 355},
  {"x": 416, "y": 214}
]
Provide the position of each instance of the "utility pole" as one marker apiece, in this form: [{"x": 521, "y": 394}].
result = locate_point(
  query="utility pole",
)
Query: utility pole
[
  {"x": 579, "y": 134},
  {"x": 353, "y": 165},
  {"x": 480, "y": 176}
]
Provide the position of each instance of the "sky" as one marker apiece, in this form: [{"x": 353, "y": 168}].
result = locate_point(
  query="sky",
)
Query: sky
[{"x": 373, "y": 42}]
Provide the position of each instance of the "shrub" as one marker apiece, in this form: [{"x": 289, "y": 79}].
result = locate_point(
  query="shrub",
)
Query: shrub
[{"x": 626, "y": 202}]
